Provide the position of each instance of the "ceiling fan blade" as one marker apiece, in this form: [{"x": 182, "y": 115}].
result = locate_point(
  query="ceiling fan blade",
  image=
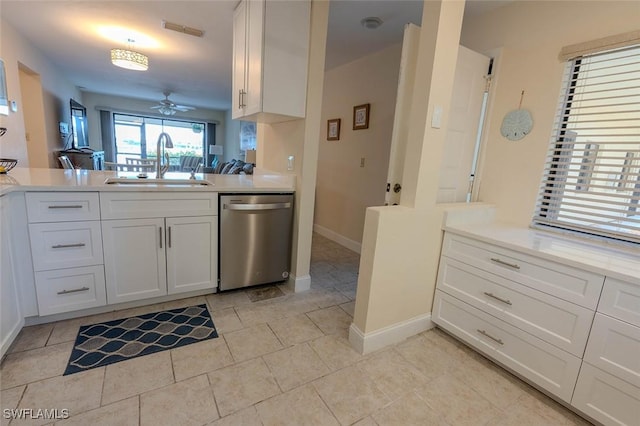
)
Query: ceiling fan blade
[{"x": 183, "y": 108}]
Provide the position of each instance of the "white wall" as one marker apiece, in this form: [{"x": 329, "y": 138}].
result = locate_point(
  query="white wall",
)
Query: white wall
[
  {"x": 528, "y": 36},
  {"x": 299, "y": 138},
  {"x": 344, "y": 189},
  {"x": 56, "y": 92},
  {"x": 96, "y": 101}
]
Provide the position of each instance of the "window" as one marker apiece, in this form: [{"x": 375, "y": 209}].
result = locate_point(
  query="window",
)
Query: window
[
  {"x": 591, "y": 181},
  {"x": 136, "y": 137}
]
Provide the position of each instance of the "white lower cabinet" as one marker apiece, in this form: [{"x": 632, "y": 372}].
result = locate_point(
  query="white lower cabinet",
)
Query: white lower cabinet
[
  {"x": 66, "y": 247},
  {"x": 192, "y": 253},
  {"x": 606, "y": 398},
  {"x": 543, "y": 364},
  {"x": 11, "y": 318},
  {"x": 573, "y": 333},
  {"x": 70, "y": 289},
  {"x": 134, "y": 259},
  {"x": 146, "y": 258}
]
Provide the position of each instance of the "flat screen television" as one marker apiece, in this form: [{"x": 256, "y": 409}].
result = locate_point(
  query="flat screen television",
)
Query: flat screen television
[{"x": 79, "y": 128}]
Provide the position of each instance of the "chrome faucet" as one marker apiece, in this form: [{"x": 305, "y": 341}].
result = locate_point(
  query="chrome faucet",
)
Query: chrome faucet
[{"x": 160, "y": 169}]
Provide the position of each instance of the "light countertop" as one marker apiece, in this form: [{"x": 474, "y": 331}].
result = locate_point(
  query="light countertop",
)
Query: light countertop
[
  {"x": 612, "y": 260},
  {"x": 34, "y": 179}
]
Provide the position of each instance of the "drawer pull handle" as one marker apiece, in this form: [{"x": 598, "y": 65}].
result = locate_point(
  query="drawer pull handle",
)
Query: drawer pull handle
[
  {"x": 495, "y": 339},
  {"x": 160, "y": 232},
  {"x": 57, "y": 246},
  {"x": 502, "y": 262},
  {"x": 74, "y": 290},
  {"x": 169, "y": 237},
  {"x": 507, "y": 301},
  {"x": 74, "y": 206}
]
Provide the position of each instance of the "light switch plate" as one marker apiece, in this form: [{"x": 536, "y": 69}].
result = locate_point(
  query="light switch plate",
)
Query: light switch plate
[{"x": 436, "y": 118}]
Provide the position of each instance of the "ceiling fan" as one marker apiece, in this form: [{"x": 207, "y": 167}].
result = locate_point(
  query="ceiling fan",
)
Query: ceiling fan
[{"x": 167, "y": 107}]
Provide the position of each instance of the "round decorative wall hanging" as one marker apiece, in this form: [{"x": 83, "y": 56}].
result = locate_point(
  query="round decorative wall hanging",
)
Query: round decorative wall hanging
[{"x": 517, "y": 124}]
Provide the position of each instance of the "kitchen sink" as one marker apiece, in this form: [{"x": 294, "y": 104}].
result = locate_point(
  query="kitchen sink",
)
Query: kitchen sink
[{"x": 165, "y": 181}]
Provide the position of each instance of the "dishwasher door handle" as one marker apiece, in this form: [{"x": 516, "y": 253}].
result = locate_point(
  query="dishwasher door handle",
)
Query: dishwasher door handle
[{"x": 254, "y": 207}]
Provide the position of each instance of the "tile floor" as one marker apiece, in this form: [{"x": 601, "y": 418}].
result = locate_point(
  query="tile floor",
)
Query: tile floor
[{"x": 282, "y": 361}]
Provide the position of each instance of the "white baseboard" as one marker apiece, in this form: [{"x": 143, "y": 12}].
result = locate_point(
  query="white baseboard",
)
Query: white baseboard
[
  {"x": 299, "y": 284},
  {"x": 367, "y": 343},
  {"x": 334, "y": 236}
]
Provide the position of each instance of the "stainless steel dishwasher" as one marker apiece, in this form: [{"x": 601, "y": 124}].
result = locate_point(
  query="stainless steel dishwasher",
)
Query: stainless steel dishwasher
[{"x": 255, "y": 239}]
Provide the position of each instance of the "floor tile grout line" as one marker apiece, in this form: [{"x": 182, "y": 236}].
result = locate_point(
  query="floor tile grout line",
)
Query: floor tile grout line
[{"x": 213, "y": 394}]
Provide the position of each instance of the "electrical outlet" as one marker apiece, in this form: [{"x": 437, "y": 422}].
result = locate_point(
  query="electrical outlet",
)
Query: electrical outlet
[{"x": 290, "y": 163}]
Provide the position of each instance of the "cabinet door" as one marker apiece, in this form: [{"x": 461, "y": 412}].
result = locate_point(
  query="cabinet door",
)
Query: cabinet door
[
  {"x": 255, "y": 36},
  {"x": 192, "y": 253},
  {"x": 239, "y": 59},
  {"x": 134, "y": 259},
  {"x": 11, "y": 320}
]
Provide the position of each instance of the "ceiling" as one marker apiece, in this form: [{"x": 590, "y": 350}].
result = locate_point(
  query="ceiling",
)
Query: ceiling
[{"x": 77, "y": 37}]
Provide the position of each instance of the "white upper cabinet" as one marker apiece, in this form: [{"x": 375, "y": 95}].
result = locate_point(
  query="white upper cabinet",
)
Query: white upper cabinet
[{"x": 270, "y": 59}]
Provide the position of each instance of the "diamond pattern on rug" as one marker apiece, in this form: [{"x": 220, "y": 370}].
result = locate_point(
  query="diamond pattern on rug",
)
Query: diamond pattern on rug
[{"x": 118, "y": 340}]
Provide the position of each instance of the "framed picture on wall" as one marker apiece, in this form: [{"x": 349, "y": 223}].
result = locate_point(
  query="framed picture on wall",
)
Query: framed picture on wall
[
  {"x": 333, "y": 129},
  {"x": 361, "y": 117}
]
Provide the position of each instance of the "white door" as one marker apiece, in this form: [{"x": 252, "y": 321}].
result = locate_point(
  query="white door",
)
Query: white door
[
  {"x": 400, "y": 131},
  {"x": 462, "y": 131},
  {"x": 192, "y": 253},
  {"x": 467, "y": 100},
  {"x": 134, "y": 259}
]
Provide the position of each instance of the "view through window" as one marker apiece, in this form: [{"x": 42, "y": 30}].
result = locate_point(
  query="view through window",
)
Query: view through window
[
  {"x": 591, "y": 181},
  {"x": 137, "y": 136}
]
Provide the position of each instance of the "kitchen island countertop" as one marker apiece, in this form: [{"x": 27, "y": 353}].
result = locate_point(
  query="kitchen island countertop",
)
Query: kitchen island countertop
[{"x": 40, "y": 179}]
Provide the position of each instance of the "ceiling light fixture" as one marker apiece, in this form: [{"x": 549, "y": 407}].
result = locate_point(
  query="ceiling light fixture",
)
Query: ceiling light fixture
[
  {"x": 129, "y": 59},
  {"x": 371, "y": 23}
]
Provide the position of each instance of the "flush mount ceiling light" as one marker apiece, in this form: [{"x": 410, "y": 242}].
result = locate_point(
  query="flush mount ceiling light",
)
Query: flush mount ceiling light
[
  {"x": 371, "y": 23},
  {"x": 129, "y": 59}
]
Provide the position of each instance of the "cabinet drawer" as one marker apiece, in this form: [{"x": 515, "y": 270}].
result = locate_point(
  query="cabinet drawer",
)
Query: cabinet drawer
[
  {"x": 141, "y": 205},
  {"x": 65, "y": 244},
  {"x": 556, "y": 321},
  {"x": 614, "y": 346},
  {"x": 606, "y": 398},
  {"x": 62, "y": 206},
  {"x": 568, "y": 283},
  {"x": 621, "y": 300},
  {"x": 543, "y": 364},
  {"x": 65, "y": 290}
]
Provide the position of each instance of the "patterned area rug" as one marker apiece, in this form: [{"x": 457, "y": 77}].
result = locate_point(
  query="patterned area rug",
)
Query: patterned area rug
[{"x": 118, "y": 340}]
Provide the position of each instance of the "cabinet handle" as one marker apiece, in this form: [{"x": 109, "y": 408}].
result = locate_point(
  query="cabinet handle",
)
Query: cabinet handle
[
  {"x": 76, "y": 290},
  {"x": 495, "y": 339},
  {"x": 507, "y": 301},
  {"x": 502, "y": 262},
  {"x": 160, "y": 231},
  {"x": 169, "y": 237},
  {"x": 74, "y": 206},
  {"x": 57, "y": 246}
]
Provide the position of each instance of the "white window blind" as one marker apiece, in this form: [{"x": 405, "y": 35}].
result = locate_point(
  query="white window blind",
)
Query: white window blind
[{"x": 591, "y": 181}]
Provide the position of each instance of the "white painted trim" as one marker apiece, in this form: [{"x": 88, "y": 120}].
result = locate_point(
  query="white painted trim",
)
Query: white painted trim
[
  {"x": 299, "y": 284},
  {"x": 367, "y": 343},
  {"x": 335, "y": 237}
]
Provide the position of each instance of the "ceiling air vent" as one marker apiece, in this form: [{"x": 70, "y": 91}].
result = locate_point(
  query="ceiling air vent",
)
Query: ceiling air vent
[{"x": 182, "y": 29}]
